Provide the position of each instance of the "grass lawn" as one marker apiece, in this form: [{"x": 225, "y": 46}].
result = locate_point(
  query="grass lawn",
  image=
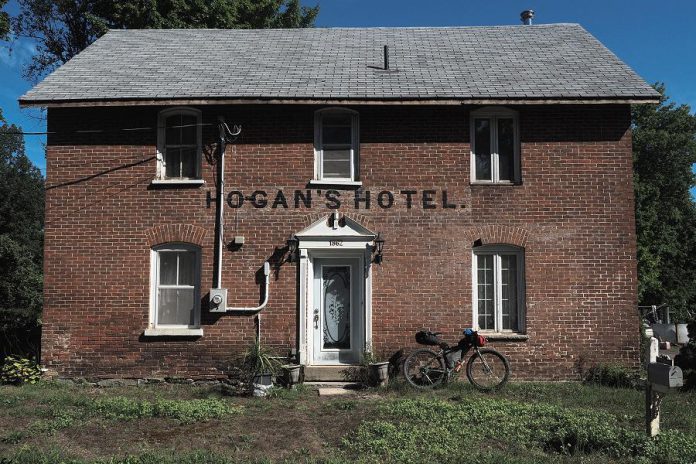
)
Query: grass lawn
[{"x": 524, "y": 423}]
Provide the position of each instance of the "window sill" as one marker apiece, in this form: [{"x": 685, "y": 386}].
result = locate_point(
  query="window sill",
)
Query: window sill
[
  {"x": 335, "y": 183},
  {"x": 483, "y": 182},
  {"x": 173, "y": 332},
  {"x": 175, "y": 182},
  {"x": 505, "y": 337}
]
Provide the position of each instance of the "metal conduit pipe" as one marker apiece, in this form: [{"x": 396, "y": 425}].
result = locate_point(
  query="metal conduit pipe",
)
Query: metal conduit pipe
[
  {"x": 267, "y": 273},
  {"x": 219, "y": 240}
]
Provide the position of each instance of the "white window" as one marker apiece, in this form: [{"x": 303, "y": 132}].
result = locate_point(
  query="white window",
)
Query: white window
[
  {"x": 336, "y": 145},
  {"x": 495, "y": 146},
  {"x": 179, "y": 144},
  {"x": 498, "y": 288},
  {"x": 175, "y": 279}
]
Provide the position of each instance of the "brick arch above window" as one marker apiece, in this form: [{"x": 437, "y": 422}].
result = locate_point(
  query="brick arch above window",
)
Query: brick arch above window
[
  {"x": 498, "y": 234},
  {"x": 168, "y": 233}
]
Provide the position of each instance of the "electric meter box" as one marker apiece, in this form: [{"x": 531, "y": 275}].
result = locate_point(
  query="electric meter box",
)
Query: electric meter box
[{"x": 218, "y": 300}]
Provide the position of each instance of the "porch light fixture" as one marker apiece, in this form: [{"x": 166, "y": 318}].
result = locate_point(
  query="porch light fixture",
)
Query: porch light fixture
[
  {"x": 292, "y": 244},
  {"x": 377, "y": 249}
]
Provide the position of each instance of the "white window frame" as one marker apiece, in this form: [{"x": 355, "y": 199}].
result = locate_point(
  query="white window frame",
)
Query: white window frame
[
  {"x": 156, "y": 329},
  {"x": 496, "y": 251},
  {"x": 319, "y": 148},
  {"x": 161, "y": 175},
  {"x": 495, "y": 113}
]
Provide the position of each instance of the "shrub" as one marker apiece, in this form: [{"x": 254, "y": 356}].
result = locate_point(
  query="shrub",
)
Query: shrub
[
  {"x": 614, "y": 375},
  {"x": 17, "y": 370},
  {"x": 686, "y": 359}
]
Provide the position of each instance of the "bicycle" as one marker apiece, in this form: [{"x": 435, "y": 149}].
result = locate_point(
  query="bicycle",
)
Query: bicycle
[{"x": 487, "y": 369}]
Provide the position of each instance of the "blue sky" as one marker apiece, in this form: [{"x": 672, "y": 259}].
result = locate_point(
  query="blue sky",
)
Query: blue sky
[{"x": 657, "y": 39}]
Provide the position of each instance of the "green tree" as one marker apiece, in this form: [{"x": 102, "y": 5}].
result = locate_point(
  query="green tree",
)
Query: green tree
[
  {"x": 21, "y": 233},
  {"x": 63, "y": 28},
  {"x": 4, "y": 21},
  {"x": 664, "y": 151}
]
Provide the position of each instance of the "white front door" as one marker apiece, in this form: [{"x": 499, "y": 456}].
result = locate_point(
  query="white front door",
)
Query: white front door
[{"x": 338, "y": 317}]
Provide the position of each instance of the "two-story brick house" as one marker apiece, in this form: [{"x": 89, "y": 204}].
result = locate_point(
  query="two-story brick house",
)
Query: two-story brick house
[{"x": 493, "y": 162}]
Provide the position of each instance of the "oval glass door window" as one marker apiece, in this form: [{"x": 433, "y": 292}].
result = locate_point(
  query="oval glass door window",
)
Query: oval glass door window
[{"x": 337, "y": 307}]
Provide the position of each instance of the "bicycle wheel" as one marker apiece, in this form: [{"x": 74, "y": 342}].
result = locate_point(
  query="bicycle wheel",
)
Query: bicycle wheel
[
  {"x": 488, "y": 370},
  {"x": 424, "y": 369}
]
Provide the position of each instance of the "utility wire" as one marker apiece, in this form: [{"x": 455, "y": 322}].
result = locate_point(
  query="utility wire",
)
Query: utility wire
[{"x": 101, "y": 131}]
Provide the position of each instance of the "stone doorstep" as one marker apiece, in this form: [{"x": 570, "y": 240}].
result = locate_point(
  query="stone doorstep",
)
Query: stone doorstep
[{"x": 326, "y": 373}]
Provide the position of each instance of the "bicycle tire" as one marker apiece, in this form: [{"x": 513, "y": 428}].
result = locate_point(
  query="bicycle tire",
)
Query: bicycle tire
[
  {"x": 488, "y": 370},
  {"x": 424, "y": 369}
]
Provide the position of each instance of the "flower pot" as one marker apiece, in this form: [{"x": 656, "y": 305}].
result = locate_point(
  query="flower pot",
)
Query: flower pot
[
  {"x": 292, "y": 374},
  {"x": 262, "y": 383},
  {"x": 379, "y": 373}
]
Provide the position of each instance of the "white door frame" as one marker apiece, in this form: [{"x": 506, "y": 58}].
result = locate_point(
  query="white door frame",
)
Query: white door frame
[{"x": 353, "y": 243}]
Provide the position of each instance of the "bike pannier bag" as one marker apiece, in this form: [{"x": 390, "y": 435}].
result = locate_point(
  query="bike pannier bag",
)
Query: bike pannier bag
[{"x": 427, "y": 338}]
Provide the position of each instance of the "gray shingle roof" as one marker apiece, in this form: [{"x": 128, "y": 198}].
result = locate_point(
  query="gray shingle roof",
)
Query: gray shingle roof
[{"x": 556, "y": 61}]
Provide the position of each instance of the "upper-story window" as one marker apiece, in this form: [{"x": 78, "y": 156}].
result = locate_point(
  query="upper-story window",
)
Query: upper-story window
[
  {"x": 495, "y": 146},
  {"x": 179, "y": 144},
  {"x": 336, "y": 145}
]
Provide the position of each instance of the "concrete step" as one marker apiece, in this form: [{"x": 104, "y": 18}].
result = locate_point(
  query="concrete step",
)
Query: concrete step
[{"x": 328, "y": 373}]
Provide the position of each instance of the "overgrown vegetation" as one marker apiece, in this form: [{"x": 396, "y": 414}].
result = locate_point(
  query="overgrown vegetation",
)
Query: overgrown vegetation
[
  {"x": 16, "y": 370},
  {"x": 432, "y": 430},
  {"x": 523, "y": 423},
  {"x": 614, "y": 375},
  {"x": 686, "y": 359}
]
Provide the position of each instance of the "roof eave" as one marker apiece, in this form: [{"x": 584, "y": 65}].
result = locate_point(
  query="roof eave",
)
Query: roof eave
[{"x": 72, "y": 103}]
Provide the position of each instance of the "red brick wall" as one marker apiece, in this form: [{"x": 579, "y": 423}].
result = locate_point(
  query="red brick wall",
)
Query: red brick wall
[{"x": 572, "y": 213}]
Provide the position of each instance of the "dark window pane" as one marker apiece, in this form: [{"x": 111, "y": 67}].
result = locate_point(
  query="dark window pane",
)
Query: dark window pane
[
  {"x": 337, "y": 120},
  {"x": 172, "y": 160},
  {"x": 188, "y": 162},
  {"x": 506, "y": 148},
  {"x": 181, "y": 130},
  {"x": 173, "y": 134},
  {"x": 336, "y": 135},
  {"x": 482, "y": 148},
  {"x": 188, "y": 130}
]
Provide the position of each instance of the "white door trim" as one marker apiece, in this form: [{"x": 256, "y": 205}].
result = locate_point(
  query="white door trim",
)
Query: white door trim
[{"x": 361, "y": 251}]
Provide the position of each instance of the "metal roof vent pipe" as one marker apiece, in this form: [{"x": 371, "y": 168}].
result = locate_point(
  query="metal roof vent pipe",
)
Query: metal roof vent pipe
[
  {"x": 527, "y": 16},
  {"x": 386, "y": 57}
]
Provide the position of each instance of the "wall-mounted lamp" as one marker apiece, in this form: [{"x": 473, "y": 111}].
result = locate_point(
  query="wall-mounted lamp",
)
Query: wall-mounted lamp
[
  {"x": 377, "y": 249},
  {"x": 292, "y": 244}
]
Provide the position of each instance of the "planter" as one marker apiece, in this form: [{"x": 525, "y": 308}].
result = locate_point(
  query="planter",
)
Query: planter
[
  {"x": 292, "y": 374},
  {"x": 262, "y": 383},
  {"x": 379, "y": 373}
]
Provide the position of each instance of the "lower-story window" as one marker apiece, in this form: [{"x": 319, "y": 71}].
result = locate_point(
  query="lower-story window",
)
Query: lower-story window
[
  {"x": 498, "y": 288},
  {"x": 176, "y": 286}
]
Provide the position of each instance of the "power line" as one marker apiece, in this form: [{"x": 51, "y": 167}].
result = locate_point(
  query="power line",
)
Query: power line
[{"x": 102, "y": 131}]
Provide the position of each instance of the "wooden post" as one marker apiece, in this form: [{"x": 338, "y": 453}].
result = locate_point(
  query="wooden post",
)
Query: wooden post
[{"x": 653, "y": 399}]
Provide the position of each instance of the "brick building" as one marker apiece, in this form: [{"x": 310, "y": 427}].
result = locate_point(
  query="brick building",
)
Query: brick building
[{"x": 494, "y": 162}]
